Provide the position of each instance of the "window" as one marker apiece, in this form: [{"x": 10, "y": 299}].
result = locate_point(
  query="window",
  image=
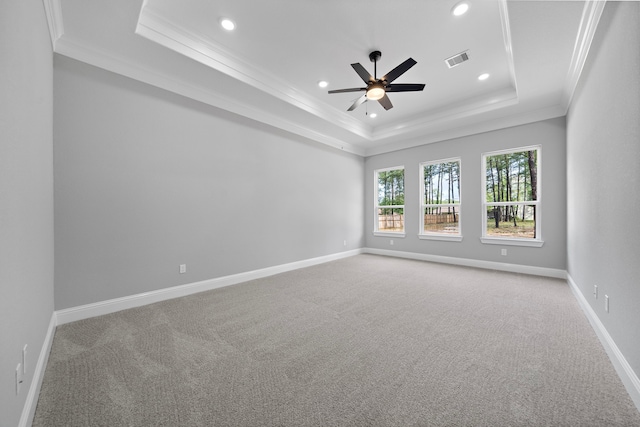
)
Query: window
[
  {"x": 511, "y": 187},
  {"x": 389, "y": 204},
  {"x": 440, "y": 200}
]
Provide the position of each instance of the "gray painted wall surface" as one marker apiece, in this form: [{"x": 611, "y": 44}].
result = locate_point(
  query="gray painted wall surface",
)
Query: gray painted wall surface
[
  {"x": 603, "y": 148},
  {"x": 26, "y": 195},
  {"x": 146, "y": 180},
  {"x": 550, "y": 134}
]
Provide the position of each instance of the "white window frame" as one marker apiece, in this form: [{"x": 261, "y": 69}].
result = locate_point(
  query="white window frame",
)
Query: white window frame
[
  {"x": 434, "y": 235},
  {"x": 376, "y": 231},
  {"x": 493, "y": 240}
]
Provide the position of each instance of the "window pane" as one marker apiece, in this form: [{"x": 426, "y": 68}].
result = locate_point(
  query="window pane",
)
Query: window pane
[
  {"x": 512, "y": 177},
  {"x": 514, "y": 221},
  {"x": 390, "y": 219},
  {"x": 439, "y": 219},
  {"x": 391, "y": 187},
  {"x": 441, "y": 183}
]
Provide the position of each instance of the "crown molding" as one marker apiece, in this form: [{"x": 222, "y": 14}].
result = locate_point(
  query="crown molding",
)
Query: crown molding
[
  {"x": 471, "y": 129},
  {"x": 328, "y": 126},
  {"x": 588, "y": 24},
  {"x": 162, "y": 31},
  {"x": 165, "y": 33},
  {"x": 134, "y": 70},
  {"x": 508, "y": 46},
  {"x": 53, "y": 11},
  {"x": 453, "y": 113}
]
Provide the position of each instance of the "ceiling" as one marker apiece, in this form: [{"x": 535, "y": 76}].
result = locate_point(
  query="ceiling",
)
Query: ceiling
[{"x": 268, "y": 68}]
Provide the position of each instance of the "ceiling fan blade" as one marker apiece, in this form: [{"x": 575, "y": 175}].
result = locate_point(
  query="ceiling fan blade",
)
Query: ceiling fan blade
[
  {"x": 399, "y": 70},
  {"x": 353, "y": 89},
  {"x": 385, "y": 102},
  {"x": 358, "y": 102},
  {"x": 405, "y": 87},
  {"x": 364, "y": 74}
]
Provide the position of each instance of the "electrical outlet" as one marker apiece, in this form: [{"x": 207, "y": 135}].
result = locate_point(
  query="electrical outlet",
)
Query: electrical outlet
[
  {"x": 344, "y": 243},
  {"x": 606, "y": 303},
  {"x": 503, "y": 252},
  {"x": 595, "y": 291},
  {"x": 19, "y": 378},
  {"x": 391, "y": 242},
  {"x": 183, "y": 268}
]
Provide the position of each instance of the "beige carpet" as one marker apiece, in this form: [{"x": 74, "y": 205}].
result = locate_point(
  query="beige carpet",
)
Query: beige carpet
[{"x": 363, "y": 341}]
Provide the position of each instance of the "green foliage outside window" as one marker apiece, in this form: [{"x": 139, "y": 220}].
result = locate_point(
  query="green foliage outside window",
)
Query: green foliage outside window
[
  {"x": 391, "y": 190},
  {"x": 512, "y": 177},
  {"x": 441, "y": 197}
]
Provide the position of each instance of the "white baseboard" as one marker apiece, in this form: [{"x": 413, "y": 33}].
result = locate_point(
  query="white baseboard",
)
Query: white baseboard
[
  {"x": 624, "y": 370},
  {"x": 29, "y": 409},
  {"x": 490, "y": 265},
  {"x": 622, "y": 367},
  {"x": 111, "y": 306}
]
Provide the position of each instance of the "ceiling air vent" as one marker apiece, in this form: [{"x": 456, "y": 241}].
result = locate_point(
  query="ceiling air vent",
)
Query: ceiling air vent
[{"x": 457, "y": 59}]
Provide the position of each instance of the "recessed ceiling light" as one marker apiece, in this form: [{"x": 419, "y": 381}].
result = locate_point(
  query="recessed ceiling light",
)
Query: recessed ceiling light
[
  {"x": 460, "y": 8},
  {"x": 373, "y": 115},
  {"x": 322, "y": 83},
  {"x": 484, "y": 76},
  {"x": 227, "y": 24}
]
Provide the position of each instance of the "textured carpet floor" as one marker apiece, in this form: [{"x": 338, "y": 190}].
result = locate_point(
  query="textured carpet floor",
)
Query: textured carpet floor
[{"x": 363, "y": 341}]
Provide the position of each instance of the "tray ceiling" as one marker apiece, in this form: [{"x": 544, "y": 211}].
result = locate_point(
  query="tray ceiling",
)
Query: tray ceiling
[{"x": 268, "y": 68}]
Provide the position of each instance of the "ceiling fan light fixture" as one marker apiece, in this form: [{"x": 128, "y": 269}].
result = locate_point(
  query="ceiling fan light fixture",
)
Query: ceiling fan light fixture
[{"x": 375, "y": 92}]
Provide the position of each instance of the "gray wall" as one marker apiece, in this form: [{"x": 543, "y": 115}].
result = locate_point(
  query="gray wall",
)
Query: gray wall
[
  {"x": 603, "y": 149},
  {"x": 550, "y": 134},
  {"x": 146, "y": 180},
  {"x": 26, "y": 195}
]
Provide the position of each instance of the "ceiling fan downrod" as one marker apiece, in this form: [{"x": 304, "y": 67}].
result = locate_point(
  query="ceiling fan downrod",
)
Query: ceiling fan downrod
[{"x": 374, "y": 56}]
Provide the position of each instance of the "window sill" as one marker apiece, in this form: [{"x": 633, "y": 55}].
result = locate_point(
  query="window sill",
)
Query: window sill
[
  {"x": 533, "y": 243},
  {"x": 389, "y": 233},
  {"x": 442, "y": 237}
]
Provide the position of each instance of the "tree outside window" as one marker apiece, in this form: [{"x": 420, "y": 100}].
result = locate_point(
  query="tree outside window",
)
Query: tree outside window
[
  {"x": 389, "y": 209},
  {"x": 440, "y": 198},
  {"x": 512, "y": 194}
]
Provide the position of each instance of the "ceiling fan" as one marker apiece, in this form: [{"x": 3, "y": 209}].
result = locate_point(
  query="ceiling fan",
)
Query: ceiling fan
[{"x": 377, "y": 89}]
